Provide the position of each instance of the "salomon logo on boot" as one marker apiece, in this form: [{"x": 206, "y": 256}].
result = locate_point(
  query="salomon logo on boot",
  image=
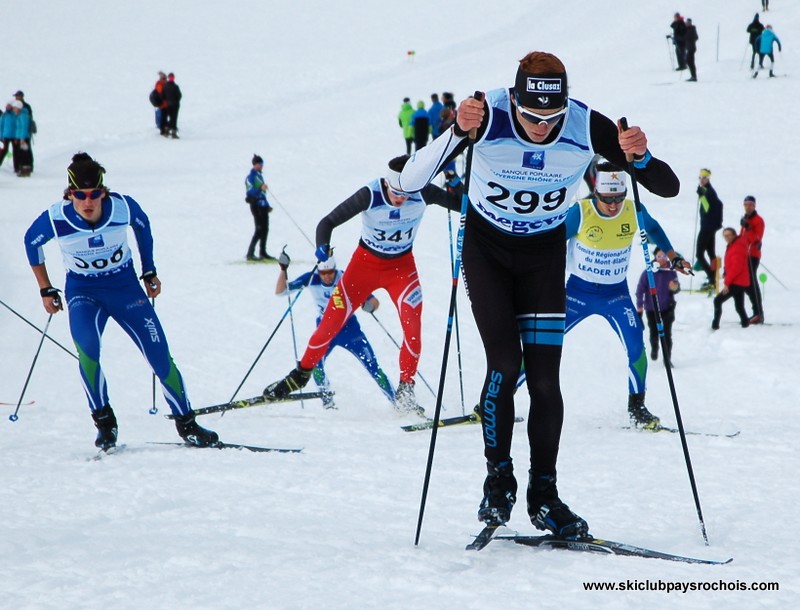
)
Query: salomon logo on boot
[
  {"x": 547, "y": 512},
  {"x": 193, "y": 433}
]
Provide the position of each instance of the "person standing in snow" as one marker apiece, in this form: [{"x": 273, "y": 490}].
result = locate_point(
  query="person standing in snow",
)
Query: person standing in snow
[
  {"x": 678, "y": 27},
  {"x": 532, "y": 147},
  {"x": 320, "y": 284},
  {"x": 256, "y": 196},
  {"x": 710, "y": 211},
  {"x": 754, "y": 30},
  {"x": 435, "y": 115},
  {"x": 736, "y": 278},
  {"x": 766, "y": 42},
  {"x": 667, "y": 286},
  {"x": 384, "y": 259},
  {"x": 422, "y": 126},
  {"x": 404, "y": 120},
  {"x": 172, "y": 104},
  {"x": 691, "y": 49},
  {"x": 752, "y": 230},
  {"x": 91, "y": 225}
]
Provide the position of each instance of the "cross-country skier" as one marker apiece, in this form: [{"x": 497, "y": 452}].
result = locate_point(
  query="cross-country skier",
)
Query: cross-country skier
[
  {"x": 600, "y": 231},
  {"x": 320, "y": 284},
  {"x": 532, "y": 148},
  {"x": 91, "y": 227},
  {"x": 390, "y": 218}
]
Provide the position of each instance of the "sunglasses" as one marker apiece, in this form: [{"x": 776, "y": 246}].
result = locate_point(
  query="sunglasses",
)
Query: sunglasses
[
  {"x": 611, "y": 199},
  {"x": 82, "y": 195},
  {"x": 397, "y": 193},
  {"x": 538, "y": 119}
]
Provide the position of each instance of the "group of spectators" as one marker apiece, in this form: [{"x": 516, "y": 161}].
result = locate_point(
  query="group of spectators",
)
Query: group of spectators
[
  {"x": 684, "y": 38},
  {"x": 421, "y": 125},
  {"x": 16, "y": 130},
  {"x": 166, "y": 97}
]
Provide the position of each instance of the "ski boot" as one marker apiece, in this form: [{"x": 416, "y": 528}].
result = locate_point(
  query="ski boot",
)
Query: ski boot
[
  {"x": 193, "y": 433},
  {"x": 295, "y": 380},
  {"x": 639, "y": 415},
  {"x": 327, "y": 400},
  {"x": 106, "y": 423},
  {"x": 405, "y": 401},
  {"x": 499, "y": 493},
  {"x": 548, "y": 513}
]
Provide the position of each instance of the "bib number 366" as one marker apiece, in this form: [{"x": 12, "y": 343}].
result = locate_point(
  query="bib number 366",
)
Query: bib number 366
[{"x": 99, "y": 263}]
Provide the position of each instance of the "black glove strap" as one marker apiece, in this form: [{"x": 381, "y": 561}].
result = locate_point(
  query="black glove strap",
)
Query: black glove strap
[{"x": 49, "y": 292}]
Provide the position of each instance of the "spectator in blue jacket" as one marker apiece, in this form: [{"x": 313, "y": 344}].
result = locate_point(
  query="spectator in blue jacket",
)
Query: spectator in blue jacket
[
  {"x": 22, "y": 155},
  {"x": 667, "y": 286},
  {"x": 766, "y": 42},
  {"x": 435, "y": 115},
  {"x": 256, "y": 196},
  {"x": 8, "y": 131}
]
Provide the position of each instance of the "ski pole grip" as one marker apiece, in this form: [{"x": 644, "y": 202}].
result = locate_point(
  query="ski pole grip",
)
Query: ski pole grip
[
  {"x": 623, "y": 123},
  {"x": 473, "y": 133}
]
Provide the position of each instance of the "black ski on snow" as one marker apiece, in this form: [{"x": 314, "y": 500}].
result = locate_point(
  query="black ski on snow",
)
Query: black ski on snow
[
  {"x": 589, "y": 545},
  {"x": 221, "y": 445},
  {"x": 460, "y": 420},
  {"x": 255, "y": 401}
]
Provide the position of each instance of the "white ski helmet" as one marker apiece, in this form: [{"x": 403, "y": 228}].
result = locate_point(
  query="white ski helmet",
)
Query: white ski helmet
[{"x": 328, "y": 265}]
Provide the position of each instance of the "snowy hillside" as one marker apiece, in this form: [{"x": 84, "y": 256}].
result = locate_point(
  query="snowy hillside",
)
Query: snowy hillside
[{"x": 315, "y": 88}]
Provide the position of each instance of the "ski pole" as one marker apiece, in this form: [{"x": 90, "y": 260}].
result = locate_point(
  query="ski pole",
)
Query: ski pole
[
  {"x": 458, "y": 334},
  {"x": 153, "y": 409},
  {"x": 32, "y": 325},
  {"x": 670, "y": 52},
  {"x": 14, "y": 416},
  {"x": 694, "y": 256},
  {"x": 773, "y": 275},
  {"x": 478, "y": 95},
  {"x": 291, "y": 318},
  {"x": 289, "y": 216},
  {"x": 272, "y": 335},
  {"x": 397, "y": 345},
  {"x": 651, "y": 281}
]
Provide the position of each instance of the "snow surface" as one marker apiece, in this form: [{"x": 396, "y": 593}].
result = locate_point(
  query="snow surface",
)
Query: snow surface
[{"x": 315, "y": 88}]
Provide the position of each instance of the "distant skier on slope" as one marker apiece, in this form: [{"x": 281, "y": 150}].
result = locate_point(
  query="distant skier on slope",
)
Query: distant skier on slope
[{"x": 389, "y": 220}]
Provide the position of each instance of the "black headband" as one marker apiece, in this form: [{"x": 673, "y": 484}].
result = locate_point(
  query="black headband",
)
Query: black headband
[{"x": 541, "y": 91}]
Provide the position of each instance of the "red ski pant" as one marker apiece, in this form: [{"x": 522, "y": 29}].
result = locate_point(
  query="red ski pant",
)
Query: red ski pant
[{"x": 364, "y": 274}]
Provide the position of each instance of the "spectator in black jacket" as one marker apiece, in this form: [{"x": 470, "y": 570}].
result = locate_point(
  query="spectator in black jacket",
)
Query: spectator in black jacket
[
  {"x": 172, "y": 99},
  {"x": 710, "y": 223},
  {"x": 754, "y": 30},
  {"x": 679, "y": 40},
  {"x": 691, "y": 49}
]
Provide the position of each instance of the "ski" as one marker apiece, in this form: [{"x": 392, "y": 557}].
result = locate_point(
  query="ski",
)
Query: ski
[
  {"x": 101, "y": 453},
  {"x": 460, "y": 420},
  {"x": 597, "y": 545},
  {"x": 661, "y": 428},
  {"x": 255, "y": 401},
  {"x": 486, "y": 535},
  {"x": 22, "y": 404},
  {"x": 221, "y": 445}
]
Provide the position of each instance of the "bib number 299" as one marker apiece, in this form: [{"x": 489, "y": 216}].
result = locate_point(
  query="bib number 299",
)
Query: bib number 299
[{"x": 526, "y": 201}]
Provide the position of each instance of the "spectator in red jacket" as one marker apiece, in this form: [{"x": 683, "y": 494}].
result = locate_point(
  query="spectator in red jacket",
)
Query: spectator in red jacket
[
  {"x": 753, "y": 232},
  {"x": 736, "y": 280}
]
